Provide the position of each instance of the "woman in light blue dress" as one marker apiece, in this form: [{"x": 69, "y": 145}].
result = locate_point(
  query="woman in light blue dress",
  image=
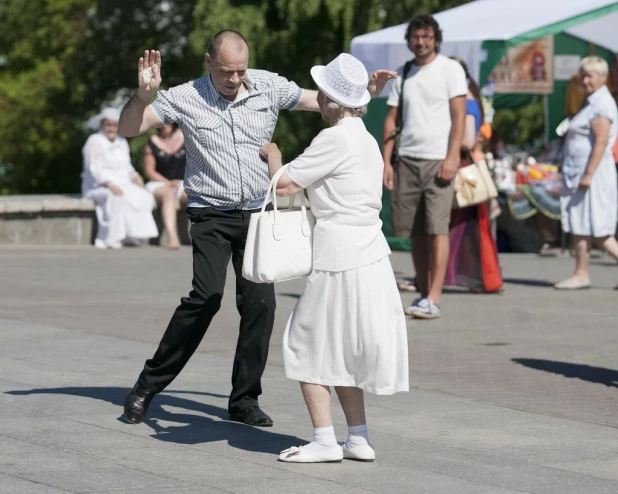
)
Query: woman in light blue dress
[{"x": 589, "y": 197}]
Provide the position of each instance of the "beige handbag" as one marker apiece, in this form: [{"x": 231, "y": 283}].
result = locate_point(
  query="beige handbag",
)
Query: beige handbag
[{"x": 474, "y": 185}]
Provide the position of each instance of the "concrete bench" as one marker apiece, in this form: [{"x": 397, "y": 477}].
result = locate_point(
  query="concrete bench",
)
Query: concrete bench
[
  {"x": 46, "y": 219},
  {"x": 66, "y": 219}
]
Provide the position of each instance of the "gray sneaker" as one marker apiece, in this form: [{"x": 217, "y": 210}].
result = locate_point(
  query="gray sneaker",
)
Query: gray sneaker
[
  {"x": 425, "y": 309},
  {"x": 410, "y": 310}
]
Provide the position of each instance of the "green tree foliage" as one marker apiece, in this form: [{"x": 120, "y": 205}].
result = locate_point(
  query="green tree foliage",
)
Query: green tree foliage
[
  {"x": 40, "y": 41},
  {"x": 522, "y": 127},
  {"x": 62, "y": 60}
]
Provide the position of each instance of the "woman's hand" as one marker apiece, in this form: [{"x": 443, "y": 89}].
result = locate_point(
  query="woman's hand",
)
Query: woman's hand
[
  {"x": 137, "y": 179},
  {"x": 268, "y": 151},
  {"x": 600, "y": 129},
  {"x": 378, "y": 80},
  {"x": 117, "y": 191},
  {"x": 586, "y": 180}
]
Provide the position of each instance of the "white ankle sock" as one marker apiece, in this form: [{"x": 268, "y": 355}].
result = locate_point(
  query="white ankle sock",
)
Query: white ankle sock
[
  {"x": 358, "y": 435},
  {"x": 323, "y": 440}
]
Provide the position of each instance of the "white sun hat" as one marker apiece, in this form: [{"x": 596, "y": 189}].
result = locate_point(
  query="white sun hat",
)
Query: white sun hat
[
  {"x": 344, "y": 81},
  {"x": 112, "y": 114}
]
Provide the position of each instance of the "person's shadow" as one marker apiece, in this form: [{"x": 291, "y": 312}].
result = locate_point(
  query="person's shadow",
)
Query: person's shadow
[
  {"x": 599, "y": 375},
  {"x": 191, "y": 428}
]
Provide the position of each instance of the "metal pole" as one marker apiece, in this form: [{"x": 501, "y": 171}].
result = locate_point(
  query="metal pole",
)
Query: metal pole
[{"x": 546, "y": 111}]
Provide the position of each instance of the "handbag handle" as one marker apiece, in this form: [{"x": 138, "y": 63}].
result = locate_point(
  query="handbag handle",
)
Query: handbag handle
[{"x": 272, "y": 191}]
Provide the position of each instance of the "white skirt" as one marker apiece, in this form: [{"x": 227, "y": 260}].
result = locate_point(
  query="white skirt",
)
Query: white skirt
[
  {"x": 348, "y": 329},
  {"x": 153, "y": 186},
  {"x": 592, "y": 212},
  {"x": 123, "y": 217}
]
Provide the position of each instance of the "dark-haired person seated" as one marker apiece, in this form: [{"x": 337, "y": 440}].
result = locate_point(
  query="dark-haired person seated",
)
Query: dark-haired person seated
[{"x": 164, "y": 166}]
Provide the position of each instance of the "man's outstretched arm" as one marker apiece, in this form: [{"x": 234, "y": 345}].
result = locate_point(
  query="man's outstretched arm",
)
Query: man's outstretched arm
[{"x": 377, "y": 81}]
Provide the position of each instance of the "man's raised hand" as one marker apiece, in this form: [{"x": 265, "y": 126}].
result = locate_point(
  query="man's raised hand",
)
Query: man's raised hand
[{"x": 148, "y": 75}]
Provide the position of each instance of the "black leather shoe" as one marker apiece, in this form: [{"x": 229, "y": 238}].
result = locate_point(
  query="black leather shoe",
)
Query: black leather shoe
[
  {"x": 252, "y": 416},
  {"x": 136, "y": 404}
]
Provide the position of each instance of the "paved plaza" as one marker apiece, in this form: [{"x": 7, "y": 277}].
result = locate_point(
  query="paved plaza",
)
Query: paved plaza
[{"x": 510, "y": 393}]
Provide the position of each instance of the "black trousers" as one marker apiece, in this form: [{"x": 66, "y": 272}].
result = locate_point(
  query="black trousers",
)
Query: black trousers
[{"x": 217, "y": 236}]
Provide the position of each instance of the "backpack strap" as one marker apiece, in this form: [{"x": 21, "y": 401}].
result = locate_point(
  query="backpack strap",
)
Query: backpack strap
[{"x": 399, "y": 120}]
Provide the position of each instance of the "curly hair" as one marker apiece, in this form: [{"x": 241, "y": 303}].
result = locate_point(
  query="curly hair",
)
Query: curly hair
[{"x": 424, "y": 21}]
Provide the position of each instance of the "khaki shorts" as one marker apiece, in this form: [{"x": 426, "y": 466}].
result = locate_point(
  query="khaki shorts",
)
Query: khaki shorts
[{"x": 421, "y": 204}]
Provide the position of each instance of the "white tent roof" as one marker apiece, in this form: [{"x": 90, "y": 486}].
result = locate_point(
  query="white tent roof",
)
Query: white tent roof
[
  {"x": 467, "y": 26},
  {"x": 506, "y": 19},
  {"x": 600, "y": 31}
]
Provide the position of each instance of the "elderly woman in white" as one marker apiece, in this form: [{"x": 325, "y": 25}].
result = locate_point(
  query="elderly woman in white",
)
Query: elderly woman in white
[
  {"x": 589, "y": 197},
  {"x": 123, "y": 205},
  {"x": 348, "y": 329}
]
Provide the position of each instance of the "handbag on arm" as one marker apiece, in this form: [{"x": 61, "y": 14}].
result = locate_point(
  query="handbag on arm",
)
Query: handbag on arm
[
  {"x": 474, "y": 185},
  {"x": 279, "y": 244}
]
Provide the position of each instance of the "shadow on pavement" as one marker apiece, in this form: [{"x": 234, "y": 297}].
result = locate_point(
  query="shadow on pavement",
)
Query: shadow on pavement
[
  {"x": 528, "y": 282},
  {"x": 185, "y": 428},
  {"x": 599, "y": 375}
]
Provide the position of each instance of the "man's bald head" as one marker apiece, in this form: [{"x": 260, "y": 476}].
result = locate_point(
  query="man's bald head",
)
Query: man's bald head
[
  {"x": 232, "y": 40},
  {"x": 227, "y": 59}
]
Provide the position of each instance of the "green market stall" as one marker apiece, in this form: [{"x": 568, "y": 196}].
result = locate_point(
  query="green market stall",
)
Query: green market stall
[{"x": 488, "y": 35}]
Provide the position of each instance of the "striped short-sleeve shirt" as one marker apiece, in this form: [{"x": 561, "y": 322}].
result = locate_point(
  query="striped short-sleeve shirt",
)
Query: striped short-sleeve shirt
[{"x": 223, "y": 138}]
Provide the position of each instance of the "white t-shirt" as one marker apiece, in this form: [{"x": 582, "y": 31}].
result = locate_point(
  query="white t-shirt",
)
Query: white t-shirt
[
  {"x": 426, "y": 113},
  {"x": 342, "y": 171}
]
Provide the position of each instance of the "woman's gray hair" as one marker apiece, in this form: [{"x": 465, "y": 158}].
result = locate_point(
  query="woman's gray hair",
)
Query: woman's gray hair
[
  {"x": 594, "y": 64},
  {"x": 334, "y": 107}
]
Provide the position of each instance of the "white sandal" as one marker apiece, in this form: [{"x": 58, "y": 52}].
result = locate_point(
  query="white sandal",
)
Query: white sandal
[{"x": 300, "y": 455}]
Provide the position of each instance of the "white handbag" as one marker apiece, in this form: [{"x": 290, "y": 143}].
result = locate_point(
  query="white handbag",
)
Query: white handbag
[
  {"x": 474, "y": 185},
  {"x": 279, "y": 243}
]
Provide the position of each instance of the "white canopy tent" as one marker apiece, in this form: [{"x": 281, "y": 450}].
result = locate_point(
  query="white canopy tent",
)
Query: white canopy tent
[{"x": 485, "y": 28}]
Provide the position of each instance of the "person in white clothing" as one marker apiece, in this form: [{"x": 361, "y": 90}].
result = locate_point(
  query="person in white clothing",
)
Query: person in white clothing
[
  {"x": 123, "y": 205},
  {"x": 348, "y": 329},
  {"x": 589, "y": 194},
  {"x": 428, "y": 115}
]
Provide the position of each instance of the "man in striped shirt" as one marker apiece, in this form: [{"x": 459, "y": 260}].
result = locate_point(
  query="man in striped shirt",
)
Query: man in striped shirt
[{"x": 225, "y": 117}]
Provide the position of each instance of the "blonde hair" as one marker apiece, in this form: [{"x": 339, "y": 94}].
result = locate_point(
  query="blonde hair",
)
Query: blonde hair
[{"x": 594, "y": 64}]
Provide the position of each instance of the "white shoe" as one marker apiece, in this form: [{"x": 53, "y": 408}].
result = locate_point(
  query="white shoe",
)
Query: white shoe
[
  {"x": 302, "y": 455},
  {"x": 425, "y": 309},
  {"x": 359, "y": 453},
  {"x": 573, "y": 284},
  {"x": 410, "y": 310}
]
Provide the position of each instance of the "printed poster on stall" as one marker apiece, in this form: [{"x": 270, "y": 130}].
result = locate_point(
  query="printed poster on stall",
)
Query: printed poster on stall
[{"x": 527, "y": 68}]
